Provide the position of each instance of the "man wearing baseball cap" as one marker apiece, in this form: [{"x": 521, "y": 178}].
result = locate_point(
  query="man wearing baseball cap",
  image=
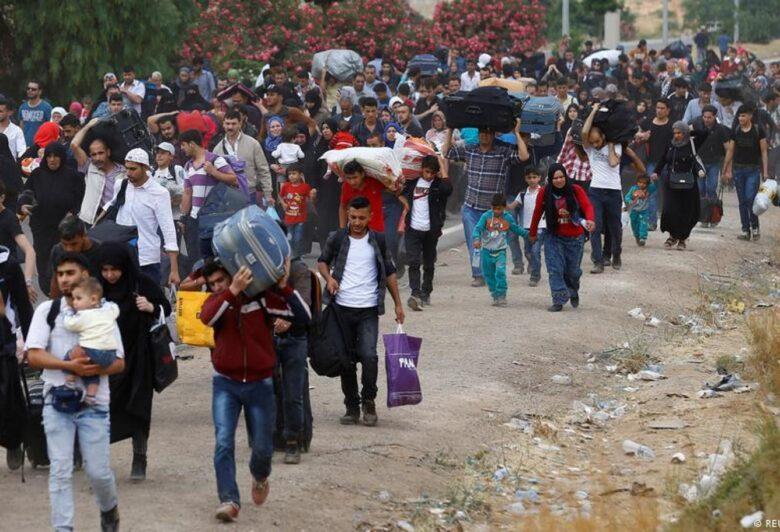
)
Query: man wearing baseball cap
[{"x": 146, "y": 204}]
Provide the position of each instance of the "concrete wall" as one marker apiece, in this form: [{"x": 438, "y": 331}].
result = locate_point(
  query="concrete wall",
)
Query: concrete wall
[{"x": 424, "y": 7}]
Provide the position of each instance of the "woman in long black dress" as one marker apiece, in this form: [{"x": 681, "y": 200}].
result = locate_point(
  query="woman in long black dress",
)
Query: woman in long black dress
[
  {"x": 680, "y": 212},
  {"x": 58, "y": 190},
  {"x": 139, "y": 299},
  {"x": 328, "y": 187}
]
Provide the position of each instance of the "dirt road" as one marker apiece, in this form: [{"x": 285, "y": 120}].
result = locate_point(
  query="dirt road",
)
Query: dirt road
[{"x": 476, "y": 359}]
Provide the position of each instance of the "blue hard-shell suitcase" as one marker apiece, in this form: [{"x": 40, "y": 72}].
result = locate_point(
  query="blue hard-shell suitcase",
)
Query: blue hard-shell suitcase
[
  {"x": 539, "y": 114},
  {"x": 252, "y": 238}
]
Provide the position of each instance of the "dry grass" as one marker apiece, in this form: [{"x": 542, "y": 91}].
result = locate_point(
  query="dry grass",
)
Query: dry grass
[{"x": 764, "y": 330}]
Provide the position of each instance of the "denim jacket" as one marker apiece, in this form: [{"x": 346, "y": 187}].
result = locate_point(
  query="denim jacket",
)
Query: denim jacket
[{"x": 335, "y": 252}]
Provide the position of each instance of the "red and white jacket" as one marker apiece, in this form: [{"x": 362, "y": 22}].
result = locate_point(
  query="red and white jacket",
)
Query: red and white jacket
[{"x": 243, "y": 330}]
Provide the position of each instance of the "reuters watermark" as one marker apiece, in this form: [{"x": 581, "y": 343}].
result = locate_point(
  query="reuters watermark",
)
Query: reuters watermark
[{"x": 762, "y": 522}]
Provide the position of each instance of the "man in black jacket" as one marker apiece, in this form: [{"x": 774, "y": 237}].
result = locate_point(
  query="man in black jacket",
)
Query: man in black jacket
[{"x": 427, "y": 198}]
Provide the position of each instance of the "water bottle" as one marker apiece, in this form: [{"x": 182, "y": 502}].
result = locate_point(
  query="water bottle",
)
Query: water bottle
[
  {"x": 476, "y": 259},
  {"x": 641, "y": 451}
]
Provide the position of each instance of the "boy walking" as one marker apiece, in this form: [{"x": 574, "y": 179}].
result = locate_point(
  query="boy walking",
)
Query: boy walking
[
  {"x": 357, "y": 267},
  {"x": 427, "y": 196},
  {"x": 489, "y": 237},
  {"x": 526, "y": 201},
  {"x": 638, "y": 199}
]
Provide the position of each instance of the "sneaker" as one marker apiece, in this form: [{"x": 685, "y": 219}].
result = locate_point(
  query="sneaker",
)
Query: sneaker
[
  {"x": 14, "y": 458},
  {"x": 641, "y": 243},
  {"x": 109, "y": 521},
  {"x": 415, "y": 303},
  {"x": 138, "y": 469},
  {"x": 555, "y": 308},
  {"x": 260, "y": 489},
  {"x": 518, "y": 270},
  {"x": 533, "y": 282},
  {"x": 495, "y": 302},
  {"x": 705, "y": 224},
  {"x": 756, "y": 233},
  {"x": 681, "y": 245},
  {"x": 670, "y": 242},
  {"x": 575, "y": 301},
  {"x": 292, "y": 453},
  {"x": 478, "y": 282},
  {"x": 597, "y": 268},
  {"x": 637, "y": 240},
  {"x": 607, "y": 261},
  {"x": 744, "y": 236},
  {"x": 352, "y": 417},
  {"x": 369, "y": 413},
  {"x": 616, "y": 263},
  {"x": 227, "y": 512},
  {"x": 426, "y": 301},
  {"x": 501, "y": 302}
]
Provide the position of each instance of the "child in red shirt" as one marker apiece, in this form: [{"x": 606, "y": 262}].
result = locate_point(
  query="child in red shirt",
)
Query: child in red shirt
[{"x": 293, "y": 195}]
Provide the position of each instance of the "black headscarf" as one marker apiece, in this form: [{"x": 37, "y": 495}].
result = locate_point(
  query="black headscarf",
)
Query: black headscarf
[
  {"x": 193, "y": 101},
  {"x": 313, "y": 96},
  {"x": 123, "y": 292},
  {"x": 551, "y": 194},
  {"x": 9, "y": 172}
]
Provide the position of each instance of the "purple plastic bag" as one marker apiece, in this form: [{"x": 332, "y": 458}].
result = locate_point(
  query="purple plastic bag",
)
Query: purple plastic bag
[{"x": 401, "y": 354}]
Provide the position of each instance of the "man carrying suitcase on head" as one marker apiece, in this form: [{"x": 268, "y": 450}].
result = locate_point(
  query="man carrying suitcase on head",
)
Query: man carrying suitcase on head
[{"x": 486, "y": 174}]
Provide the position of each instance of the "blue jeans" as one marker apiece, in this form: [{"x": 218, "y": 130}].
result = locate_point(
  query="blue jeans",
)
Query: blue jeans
[
  {"x": 291, "y": 355},
  {"x": 92, "y": 426},
  {"x": 295, "y": 232},
  {"x": 533, "y": 253},
  {"x": 708, "y": 187},
  {"x": 153, "y": 272},
  {"x": 101, "y": 357},
  {"x": 494, "y": 270},
  {"x": 607, "y": 205},
  {"x": 470, "y": 217},
  {"x": 652, "y": 200},
  {"x": 391, "y": 211},
  {"x": 257, "y": 399},
  {"x": 747, "y": 180},
  {"x": 562, "y": 256}
]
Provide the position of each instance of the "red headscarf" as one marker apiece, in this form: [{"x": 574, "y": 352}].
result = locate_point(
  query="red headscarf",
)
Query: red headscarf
[{"x": 48, "y": 132}]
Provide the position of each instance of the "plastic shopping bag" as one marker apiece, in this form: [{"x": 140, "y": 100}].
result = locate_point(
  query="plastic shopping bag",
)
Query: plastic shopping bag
[
  {"x": 401, "y": 354},
  {"x": 377, "y": 162},
  {"x": 764, "y": 198},
  {"x": 192, "y": 331}
]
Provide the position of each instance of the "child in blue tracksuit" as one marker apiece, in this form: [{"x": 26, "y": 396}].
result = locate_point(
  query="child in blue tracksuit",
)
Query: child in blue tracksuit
[
  {"x": 490, "y": 238},
  {"x": 637, "y": 202}
]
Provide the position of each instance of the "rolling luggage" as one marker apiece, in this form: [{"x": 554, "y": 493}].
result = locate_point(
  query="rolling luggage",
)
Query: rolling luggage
[
  {"x": 427, "y": 63},
  {"x": 539, "y": 114},
  {"x": 253, "y": 239},
  {"x": 483, "y": 107}
]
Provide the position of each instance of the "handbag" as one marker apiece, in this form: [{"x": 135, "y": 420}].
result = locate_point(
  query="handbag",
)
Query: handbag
[
  {"x": 401, "y": 355},
  {"x": 192, "y": 331},
  {"x": 684, "y": 180},
  {"x": 166, "y": 369},
  {"x": 107, "y": 230},
  {"x": 329, "y": 354}
]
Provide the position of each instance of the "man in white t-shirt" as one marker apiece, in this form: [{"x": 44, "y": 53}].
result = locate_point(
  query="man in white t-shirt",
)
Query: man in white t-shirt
[
  {"x": 48, "y": 343},
  {"x": 133, "y": 91},
  {"x": 469, "y": 80},
  {"x": 605, "y": 191},
  {"x": 357, "y": 267},
  {"x": 14, "y": 133}
]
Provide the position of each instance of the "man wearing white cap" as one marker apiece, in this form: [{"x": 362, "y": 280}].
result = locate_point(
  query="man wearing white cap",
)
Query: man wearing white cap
[
  {"x": 170, "y": 175},
  {"x": 147, "y": 206},
  {"x": 484, "y": 60}
]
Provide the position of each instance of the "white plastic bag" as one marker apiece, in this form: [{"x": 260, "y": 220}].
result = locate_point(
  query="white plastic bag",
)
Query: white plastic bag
[
  {"x": 375, "y": 161},
  {"x": 341, "y": 64},
  {"x": 764, "y": 198}
]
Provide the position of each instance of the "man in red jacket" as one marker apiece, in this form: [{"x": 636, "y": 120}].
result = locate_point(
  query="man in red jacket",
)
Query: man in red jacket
[{"x": 243, "y": 360}]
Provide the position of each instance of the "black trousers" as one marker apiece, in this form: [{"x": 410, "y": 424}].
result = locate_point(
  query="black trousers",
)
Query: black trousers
[
  {"x": 360, "y": 327},
  {"x": 421, "y": 250}
]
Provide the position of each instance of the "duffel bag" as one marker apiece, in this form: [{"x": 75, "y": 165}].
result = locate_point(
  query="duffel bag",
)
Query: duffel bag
[{"x": 483, "y": 107}]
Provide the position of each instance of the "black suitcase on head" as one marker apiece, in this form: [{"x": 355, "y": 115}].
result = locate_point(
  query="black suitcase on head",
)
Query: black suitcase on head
[
  {"x": 121, "y": 132},
  {"x": 616, "y": 121},
  {"x": 483, "y": 107}
]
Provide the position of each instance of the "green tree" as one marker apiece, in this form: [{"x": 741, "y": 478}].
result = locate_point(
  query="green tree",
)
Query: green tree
[
  {"x": 69, "y": 45},
  {"x": 759, "y": 20},
  {"x": 586, "y": 18}
]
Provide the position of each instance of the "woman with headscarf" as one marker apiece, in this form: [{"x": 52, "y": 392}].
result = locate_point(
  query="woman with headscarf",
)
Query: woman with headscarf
[
  {"x": 391, "y": 130},
  {"x": 313, "y": 102},
  {"x": 438, "y": 132},
  {"x": 680, "y": 212},
  {"x": 193, "y": 101},
  {"x": 566, "y": 208},
  {"x": 140, "y": 302},
  {"x": 57, "y": 190},
  {"x": 326, "y": 184},
  {"x": 9, "y": 172},
  {"x": 274, "y": 126}
]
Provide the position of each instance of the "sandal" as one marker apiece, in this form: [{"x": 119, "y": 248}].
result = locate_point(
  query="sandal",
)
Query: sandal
[{"x": 670, "y": 242}]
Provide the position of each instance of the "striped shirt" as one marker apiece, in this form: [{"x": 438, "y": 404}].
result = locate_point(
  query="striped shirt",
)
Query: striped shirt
[
  {"x": 578, "y": 169},
  {"x": 485, "y": 171},
  {"x": 201, "y": 183}
]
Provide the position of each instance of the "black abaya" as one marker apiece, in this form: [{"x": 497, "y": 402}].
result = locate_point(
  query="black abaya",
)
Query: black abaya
[{"x": 680, "y": 212}]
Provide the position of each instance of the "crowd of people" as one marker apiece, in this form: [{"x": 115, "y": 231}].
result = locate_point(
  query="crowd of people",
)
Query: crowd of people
[{"x": 104, "y": 296}]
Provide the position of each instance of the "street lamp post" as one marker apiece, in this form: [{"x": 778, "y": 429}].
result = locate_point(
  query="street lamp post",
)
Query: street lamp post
[
  {"x": 565, "y": 18},
  {"x": 736, "y": 21},
  {"x": 665, "y": 28}
]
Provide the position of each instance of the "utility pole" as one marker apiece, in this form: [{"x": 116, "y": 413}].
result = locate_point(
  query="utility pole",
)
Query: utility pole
[
  {"x": 666, "y": 23},
  {"x": 565, "y": 18},
  {"x": 736, "y": 21}
]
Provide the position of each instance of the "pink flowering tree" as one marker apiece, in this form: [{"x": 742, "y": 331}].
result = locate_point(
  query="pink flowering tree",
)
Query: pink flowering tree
[{"x": 476, "y": 26}]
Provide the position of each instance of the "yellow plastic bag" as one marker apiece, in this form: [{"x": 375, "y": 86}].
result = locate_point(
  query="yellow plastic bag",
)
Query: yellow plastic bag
[{"x": 192, "y": 331}]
